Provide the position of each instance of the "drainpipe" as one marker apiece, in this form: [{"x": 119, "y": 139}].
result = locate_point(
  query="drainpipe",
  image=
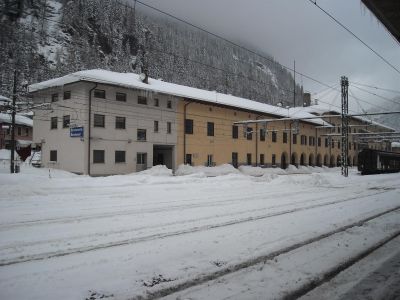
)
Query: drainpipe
[
  {"x": 316, "y": 146},
  {"x": 89, "y": 126},
  {"x": 257, "y": 140},
  {"x": 184, "y": 131},
  {"x": 290, "y": 143}
]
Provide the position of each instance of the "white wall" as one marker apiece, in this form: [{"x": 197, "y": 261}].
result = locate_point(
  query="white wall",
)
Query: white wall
[{"x": 72, "y": 152}]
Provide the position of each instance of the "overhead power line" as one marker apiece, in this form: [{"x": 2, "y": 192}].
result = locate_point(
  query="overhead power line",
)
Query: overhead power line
[
  {"x": 375, "y": 87},
  {"x": 354, "y": 35}
]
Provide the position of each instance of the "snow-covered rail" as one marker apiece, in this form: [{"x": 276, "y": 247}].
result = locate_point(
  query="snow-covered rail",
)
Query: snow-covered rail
[
  {"x": 270, "y": 256},
  {"x": 145, "y": 238}
]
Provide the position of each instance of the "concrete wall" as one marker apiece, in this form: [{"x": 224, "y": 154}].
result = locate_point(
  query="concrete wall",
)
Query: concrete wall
[{"x": 70, "y": 151}]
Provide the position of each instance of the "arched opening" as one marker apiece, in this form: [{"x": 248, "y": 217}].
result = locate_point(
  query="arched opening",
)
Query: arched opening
[
  {"x": 302, "y": 159},
  {"x": 326, "y": 157},
  {"x": 311, "y": 160},
  {"x": 319, "y": 163},
  {"x": 338, "y": 161},
  {"x": 349, "y": 161},
  {"x": 284, "y": 160},
  {"x": 293, "y": 160},
  {"x": 355, "y": 161},
  {"x": 332, "y": 162}
]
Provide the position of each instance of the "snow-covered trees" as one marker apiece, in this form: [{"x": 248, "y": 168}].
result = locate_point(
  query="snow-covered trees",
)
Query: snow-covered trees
[{"x": 56, "y": 37}]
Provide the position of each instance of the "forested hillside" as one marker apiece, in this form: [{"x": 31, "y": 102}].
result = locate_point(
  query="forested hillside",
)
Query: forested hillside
[{"x": 49, "y": 38}]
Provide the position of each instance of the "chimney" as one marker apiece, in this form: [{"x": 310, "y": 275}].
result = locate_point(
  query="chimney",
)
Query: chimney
[{"x": 306, "y": 99}]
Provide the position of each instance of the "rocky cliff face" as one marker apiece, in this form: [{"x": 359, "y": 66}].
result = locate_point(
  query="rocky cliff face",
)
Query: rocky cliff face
[{"x": 49, "y": 38}]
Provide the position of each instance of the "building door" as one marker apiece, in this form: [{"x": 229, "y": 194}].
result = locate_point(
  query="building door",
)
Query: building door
[
  {"x": 235, "y": 159},
  {"x": 163, "y": 155}
]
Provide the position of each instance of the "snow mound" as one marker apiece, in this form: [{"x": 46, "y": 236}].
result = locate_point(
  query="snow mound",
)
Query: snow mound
[
  {"x": 258, "y": 171},
  {"x": 159, "y": 170},
  {"x": 252, "y": 171},
  {"x": 207, "y": 171}
]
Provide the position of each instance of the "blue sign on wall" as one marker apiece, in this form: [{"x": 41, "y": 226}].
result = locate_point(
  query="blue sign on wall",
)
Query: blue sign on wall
[{"x": 76, "y": 132}]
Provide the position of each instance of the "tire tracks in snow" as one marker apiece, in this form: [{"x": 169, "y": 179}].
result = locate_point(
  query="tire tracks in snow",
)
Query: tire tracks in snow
[{"x": 48, "y": 255}]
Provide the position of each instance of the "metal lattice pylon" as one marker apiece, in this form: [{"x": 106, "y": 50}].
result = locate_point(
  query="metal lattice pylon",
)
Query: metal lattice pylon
[{"x": 345, "y": 126}]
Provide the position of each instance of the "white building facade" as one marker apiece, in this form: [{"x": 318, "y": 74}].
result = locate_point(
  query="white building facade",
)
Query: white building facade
[{"x": 104, "y": 129}]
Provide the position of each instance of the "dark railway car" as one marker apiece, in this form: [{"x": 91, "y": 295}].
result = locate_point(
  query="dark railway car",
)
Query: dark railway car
[{"x": 375, "y": 162}]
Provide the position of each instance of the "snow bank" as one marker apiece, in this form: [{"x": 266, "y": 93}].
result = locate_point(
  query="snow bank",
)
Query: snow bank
[
  {"x": 206, "y": 171},
  {"x": 159, "y": 170}
]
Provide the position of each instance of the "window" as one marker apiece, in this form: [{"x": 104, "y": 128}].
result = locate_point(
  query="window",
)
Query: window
[
  {"x": 142, "y": 100},
  {"x": 120, "y": 122},
  {"x": 249, "y": 159},
  {"x": 119, "y": 156},
  {"x": 249, "y": 133},
  {"x": 99, "y": 120},
  {"x": 262, "y": 134},
  {"x": 294, "y": 139},
  {"x": 188, "y": 126},
  {"x": 274, "y": 136},
  {"x": 98, "y": 156},
  {"x": 261, "y": 159},
  {"x": 141, "y": 159},
  {"x": 141, "y": 134},
  {"x": 120, "y": 97},
  {"x": 26, "y": 131},
  {"x": 319, "y": 142},
  {"x": 169, "y": 104},
  {"x": 235, "y": 132},
  {"x": 333, "y": 144},
  {"x": 210, "y": 162},
  {"x": 54, "y": 98},
  {"x": 338, "y": 145},
  {"x": 284, "y": 137},
  {"x": 349, "y": 146},
  {"x": 326, "y": 143},
  {"x": 235, "y": 159},
  {"x": 311, "y": 141},
  {"x": 53, "y": 155},
  {"x": 169, "y": 127},
  {"x": 210, "y": 129},
  {"x": 156, "y": 102},
  {"x": 19, "y": 129},
  {"x": 273, "y": 159},
  {"x": 339, "y": 129},
  {"x": 188, "y": 159},
  {"x": 66, "y": 121},
  {"x": 54, "y": 121},
  {"x": 155, "y": 126},
  {"x": 67, "y": 95},
  {"x": 100, "y": 94},
  {"x": 303, "y": 140}
]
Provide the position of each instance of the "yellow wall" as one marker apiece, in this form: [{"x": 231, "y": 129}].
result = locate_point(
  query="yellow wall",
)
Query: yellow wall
[{"x": 221, "y": 145}]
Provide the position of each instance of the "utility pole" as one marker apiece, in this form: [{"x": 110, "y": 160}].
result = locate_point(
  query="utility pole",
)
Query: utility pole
[
  {"x": 294, "y": 84},
  {"x": 345, "y": 126},
  {"x": 12, "y": 166}
]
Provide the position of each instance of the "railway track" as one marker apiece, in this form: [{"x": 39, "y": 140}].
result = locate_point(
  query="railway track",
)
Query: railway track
[
  {"x": 48, "y": 255},
  {"x": 204, "y": 278}
]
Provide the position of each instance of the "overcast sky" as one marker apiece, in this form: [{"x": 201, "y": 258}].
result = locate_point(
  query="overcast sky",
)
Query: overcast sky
[{"x": 297, "y": 30}]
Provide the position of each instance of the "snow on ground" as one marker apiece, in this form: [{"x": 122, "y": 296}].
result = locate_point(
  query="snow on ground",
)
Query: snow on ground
[{"x": 64, "y": 236}]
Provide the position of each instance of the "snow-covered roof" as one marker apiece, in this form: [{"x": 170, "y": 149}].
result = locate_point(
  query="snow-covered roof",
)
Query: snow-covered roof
[
  {"x": 320, "y": 109},
  {"x": 20, "y": 120},
  {"x": 395, "y": 145},
  {"x": 131, "y": 80}
]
